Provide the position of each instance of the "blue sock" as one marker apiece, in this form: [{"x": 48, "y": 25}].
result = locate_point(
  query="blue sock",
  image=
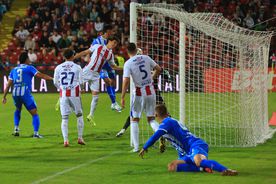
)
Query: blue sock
[
  {"x": 17, "y": 116},
  {"x": 111, "y": 94},
  {"x": 113, "y": 90},
  {"x": 36, "y": 122},
  {"x": 187, "y": 168},
  {"x": 212, "y": 164}
]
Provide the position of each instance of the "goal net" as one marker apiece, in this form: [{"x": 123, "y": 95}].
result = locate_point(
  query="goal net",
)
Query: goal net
[{"x": 215, "y": 73}]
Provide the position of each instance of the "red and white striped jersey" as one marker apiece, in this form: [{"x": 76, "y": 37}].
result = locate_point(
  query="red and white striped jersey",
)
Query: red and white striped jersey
[
  {"x": 100, "y": 55},
  {"x": 68, "y": 77},
  {"x": 139, "y": 67}
]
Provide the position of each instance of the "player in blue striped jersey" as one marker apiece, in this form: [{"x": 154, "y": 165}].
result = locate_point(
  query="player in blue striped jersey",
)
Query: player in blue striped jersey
[
  {"x": 21, "y": 79},
  {"x": 193, "y": 151},
  {"x": 107, "y": 73}
]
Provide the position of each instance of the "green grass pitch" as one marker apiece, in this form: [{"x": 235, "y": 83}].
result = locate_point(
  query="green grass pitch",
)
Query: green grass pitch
[{"x": 105, "y": 158}]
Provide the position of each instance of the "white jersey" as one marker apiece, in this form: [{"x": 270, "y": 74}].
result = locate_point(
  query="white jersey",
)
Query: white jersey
[
  {"x": 100, "y": 55},
  {"x": 68, "y": 78},
  {"x": 140, "y": 67}
]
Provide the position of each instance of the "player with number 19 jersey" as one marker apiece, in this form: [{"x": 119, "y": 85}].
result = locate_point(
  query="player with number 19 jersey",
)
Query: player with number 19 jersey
[{"x": 140, "y": 67}]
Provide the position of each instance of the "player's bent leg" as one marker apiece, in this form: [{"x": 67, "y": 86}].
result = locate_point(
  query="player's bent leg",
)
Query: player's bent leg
[
  {"x": 126, "y": 125},
  {"x": 94, "y": 102},
  {"x": 57, "y": 106},
  {"x": 154, "y": 125},
  {"x": 201, "y": 160}
]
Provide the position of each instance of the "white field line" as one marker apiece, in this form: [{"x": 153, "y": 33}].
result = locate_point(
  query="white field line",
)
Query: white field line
[{"x": 73, "y": 168}]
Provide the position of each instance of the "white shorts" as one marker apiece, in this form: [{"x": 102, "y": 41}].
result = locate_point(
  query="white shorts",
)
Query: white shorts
[
  {"x": 140, "y": 103},
  {"x": 93, "y": 80},
  {"x": 69, "y": 104}
]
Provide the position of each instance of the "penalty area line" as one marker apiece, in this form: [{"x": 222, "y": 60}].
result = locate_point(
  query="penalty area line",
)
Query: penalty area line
[{"x": 74, "y": 168}]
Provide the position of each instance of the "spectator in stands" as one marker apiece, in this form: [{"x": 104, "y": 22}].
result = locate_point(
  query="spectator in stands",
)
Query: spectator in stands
[
  {"x": 99, "y": 25},
  {"x": 32, "y": 56},
  {"x": 81, "y": 32},
  {"x": 17, "y": 22},
  {"x": 22, "y": 35},
  {"x": 55, "y": 36},
  {"x": 29, "y": 43},
  {"x": 44, "y": 40},
  {"x": 120, "y": 5},
  {"x": 84, "y": 42},
  {"x": 248, "y": 21},
  {"x": 75, "y": 23},
  {"x": 55, "y": 23},
  {"x": 63, "y": 42},
  {"x": 94, "y": 14},
  {"x": 29, "y": 24}
]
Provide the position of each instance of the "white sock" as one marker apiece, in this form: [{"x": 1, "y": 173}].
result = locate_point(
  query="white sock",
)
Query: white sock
[
  {"x": 134, "y": 133},
  {"x": 94, "y": 103},
  {"x": 64, "y": 129},
  {"x": 80, "y": 126},
  {"x": 154, "y": 125}
]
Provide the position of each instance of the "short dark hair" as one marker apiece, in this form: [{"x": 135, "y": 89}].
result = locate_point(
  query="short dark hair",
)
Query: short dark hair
[
  {"x": 107, "y": 27},
  {"x": 162, "y": 110},
  {"x": 23, "y": 57},
  {"x": 131, "y": 48},
  {"x": 112, "y": 38},
  {"x": 68, "y": 53}
]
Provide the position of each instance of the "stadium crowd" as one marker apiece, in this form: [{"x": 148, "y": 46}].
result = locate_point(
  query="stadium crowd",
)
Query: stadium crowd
[
  {"x": 5, "y": 6},
  {"x": 52, "y": 25}
]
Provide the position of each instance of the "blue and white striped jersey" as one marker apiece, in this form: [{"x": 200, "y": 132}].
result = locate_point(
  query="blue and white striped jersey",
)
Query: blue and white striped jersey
[
  {"x": 22, "y": 76},
  {"x": 99, "y": 40}
]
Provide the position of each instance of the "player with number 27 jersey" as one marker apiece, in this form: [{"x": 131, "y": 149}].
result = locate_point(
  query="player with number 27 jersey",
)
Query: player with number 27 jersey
[{"x": 68, "y": 79}]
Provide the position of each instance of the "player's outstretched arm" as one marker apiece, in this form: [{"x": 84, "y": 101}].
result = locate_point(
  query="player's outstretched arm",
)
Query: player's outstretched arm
[
  {"x": 115, "y": 67},
  {"x": 83, "y": 53},
  {"x": 126, "y": 82},
  {"x": 43, "y": 76},
  {"x": 10, "y": 82}
]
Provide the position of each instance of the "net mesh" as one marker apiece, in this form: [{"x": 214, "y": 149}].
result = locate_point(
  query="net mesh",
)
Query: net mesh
[{"x": 225, "y": 75}]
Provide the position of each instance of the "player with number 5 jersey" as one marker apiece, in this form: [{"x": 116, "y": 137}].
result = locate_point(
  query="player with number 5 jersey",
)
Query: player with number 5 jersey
[
  {"x": 68, "y": 79},
  {"x": 139, "y": 67},
  {"x": 21, "y": 79}
]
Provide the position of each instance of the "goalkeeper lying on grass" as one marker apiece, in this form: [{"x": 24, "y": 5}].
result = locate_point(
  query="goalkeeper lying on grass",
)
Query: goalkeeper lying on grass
[{"x": 196, "y": 157}]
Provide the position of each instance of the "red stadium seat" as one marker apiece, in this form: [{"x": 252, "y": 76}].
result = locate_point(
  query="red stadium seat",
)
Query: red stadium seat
[
  {"x": 51, "y": 68},
  {"x": 41, "y": 68},
  {"x": 14, "y": 59}
]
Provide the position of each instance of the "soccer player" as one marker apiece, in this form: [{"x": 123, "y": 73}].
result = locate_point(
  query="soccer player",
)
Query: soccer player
[
  {"x": 68, "y": 79},
  {"x": 107, "y": 73},
  {"x": 21, "y": 79},
  {"x": 144, "y": 98},
  {"x": 100, "y": 55},
  {"x": 184, "y": 141}
]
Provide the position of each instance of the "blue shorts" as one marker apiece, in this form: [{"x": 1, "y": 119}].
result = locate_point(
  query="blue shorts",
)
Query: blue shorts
[
  {"x": 199, "y": 147},
  {"x": 107, "y": 74},
  {"x": 27, "y": 100}
]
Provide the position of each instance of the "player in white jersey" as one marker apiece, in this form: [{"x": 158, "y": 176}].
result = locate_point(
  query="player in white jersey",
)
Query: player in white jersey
[
  {"x": 100, "y": 55},
  {"x": 68, "y": 79},
  {"x": 139, "y": 67}
]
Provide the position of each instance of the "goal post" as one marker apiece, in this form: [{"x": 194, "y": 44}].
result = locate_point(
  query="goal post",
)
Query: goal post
[{"x": 215, "y": 78}]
